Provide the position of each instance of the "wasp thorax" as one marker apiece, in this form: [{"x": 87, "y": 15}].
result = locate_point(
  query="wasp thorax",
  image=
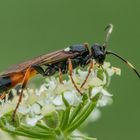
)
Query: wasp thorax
[{"x": 98, "y": 53}]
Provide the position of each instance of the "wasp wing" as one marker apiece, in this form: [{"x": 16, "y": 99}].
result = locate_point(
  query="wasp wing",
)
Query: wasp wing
[{"x": 50, "y": 58}]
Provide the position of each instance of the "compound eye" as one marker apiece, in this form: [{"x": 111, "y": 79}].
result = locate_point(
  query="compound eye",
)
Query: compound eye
[
  {"x": 100, "y": 47},
  {"x": 100, "y": 55}
]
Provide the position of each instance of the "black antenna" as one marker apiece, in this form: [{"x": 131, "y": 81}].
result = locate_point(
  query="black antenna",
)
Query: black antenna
[{"x": 126, "y": 62}]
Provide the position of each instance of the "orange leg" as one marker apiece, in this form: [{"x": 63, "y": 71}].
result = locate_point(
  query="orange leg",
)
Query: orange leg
[
  {"x": 23, "y": 86},
  {"x": 70, "y": 71},
  {"x": 89, "y": 71},
  {"x": 2, "y": 96},
  {"x": 60, "y": 76}
]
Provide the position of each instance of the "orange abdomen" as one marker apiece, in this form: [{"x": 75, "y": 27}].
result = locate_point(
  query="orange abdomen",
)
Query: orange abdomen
[{"x": 9, "y": 81}]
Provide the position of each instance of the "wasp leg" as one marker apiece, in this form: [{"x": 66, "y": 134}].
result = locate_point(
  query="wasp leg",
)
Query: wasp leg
[
  {"x": 39, "y": 69},
  {"x": 60, "y": 76},
  {"x": 11, "y": 93},
  {"x": 9, "y": 97},
  {"x": 2, "y": 96},
  {"x": 70, "y": 71},
  {"x": 89, "y": 71},
  {"x": 50, "y": 70},
  {"x": 23, "y": 86}
]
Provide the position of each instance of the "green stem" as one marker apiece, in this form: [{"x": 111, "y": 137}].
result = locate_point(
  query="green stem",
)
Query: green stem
[
  {"x": 43, "y": 127},
  {"x": 81, "y": 119},
  {"x": 74, "y": 113},
  {"x": 65, "y": 118}
]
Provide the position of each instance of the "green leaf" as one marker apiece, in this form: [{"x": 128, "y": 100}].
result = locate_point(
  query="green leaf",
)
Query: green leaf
[
  {"x": 51, "y": 120},
  {"x": 74, "y": 113},
  {"x": 39, "y": 131},
  {"x": 65, "y": 118},
  {"x": 100, "y": 74},
  {"x": 82, "y": 116},
  {"x": 65, "y": 101},
  {"x": 7, "y": 124},
  {"x": 85, "y": 98}
]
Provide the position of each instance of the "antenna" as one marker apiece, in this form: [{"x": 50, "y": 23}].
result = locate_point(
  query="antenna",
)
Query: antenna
[
  {"x": 109, "y": 29},
  {"x": 126, "y": 62}
]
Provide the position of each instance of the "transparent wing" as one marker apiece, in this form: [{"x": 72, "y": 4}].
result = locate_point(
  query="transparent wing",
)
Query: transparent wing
[{"x": 50, "y": 58}]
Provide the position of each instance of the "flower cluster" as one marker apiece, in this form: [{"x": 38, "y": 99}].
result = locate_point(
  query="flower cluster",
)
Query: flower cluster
[{"x": 56, "y": 110}]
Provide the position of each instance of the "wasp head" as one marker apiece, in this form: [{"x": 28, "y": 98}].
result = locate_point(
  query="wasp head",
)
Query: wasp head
[{"x": 98, "y": 53}]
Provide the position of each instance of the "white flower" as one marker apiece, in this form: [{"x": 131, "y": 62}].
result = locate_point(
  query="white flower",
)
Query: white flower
[
  {"x": 47, "y": 109},
  {"x": 72, "y": 98},
  {"x": 55, "y": 105},
  {"x": 34, "y": 120},
  {"x": 105, "y": 98},
  {"x": 58, "y": 100},
  {"x": 48, "y": 98},
  {"x": 24, "y": 109},
  {"x": 35, "y": 109},
  {"x": 95, "y": 115},
  {"x": 116, "y": 70}
]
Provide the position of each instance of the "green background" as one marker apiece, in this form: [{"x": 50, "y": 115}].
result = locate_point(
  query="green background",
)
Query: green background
[{"x": 29, "y": 28}]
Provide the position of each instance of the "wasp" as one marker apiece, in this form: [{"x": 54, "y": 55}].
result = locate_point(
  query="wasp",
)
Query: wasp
[{"x": 62, "y": 61}]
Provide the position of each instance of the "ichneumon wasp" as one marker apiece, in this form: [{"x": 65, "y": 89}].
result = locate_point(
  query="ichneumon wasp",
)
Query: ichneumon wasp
[{"x": 60, "y": 61}]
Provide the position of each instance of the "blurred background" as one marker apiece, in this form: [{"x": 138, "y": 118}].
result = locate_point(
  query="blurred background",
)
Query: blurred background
[{"x": 31, "y": 28}]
